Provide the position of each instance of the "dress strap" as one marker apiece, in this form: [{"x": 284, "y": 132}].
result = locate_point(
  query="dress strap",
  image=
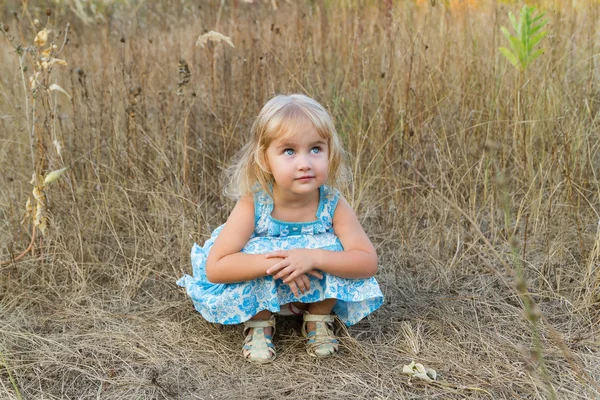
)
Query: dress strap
[
  {"x": 263, "y": 205},
  {"x": 329, "y": 199}
]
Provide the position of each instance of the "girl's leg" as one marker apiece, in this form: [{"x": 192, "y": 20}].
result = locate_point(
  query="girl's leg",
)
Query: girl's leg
[
  {"x": 322, "y": 307},
  {"x": 262, "y": 316}
]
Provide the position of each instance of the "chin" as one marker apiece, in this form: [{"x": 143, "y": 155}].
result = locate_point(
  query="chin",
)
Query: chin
[{"x": 304, "y": 188}]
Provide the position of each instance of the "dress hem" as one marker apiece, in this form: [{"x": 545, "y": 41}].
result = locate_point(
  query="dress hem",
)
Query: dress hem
[{"x": 345, "y": 322}]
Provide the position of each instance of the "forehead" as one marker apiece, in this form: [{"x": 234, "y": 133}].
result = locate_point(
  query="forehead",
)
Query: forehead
[{"x": 296, "y": 127}]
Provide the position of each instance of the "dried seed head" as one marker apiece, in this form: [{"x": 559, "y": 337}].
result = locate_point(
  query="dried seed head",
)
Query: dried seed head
[
  {"x": 55, "y": 87},
  {"x": 54, "y": 175},
  {"x": 34, "y": 79},
  {"x": 57, "y": 61},
  {"x": 40, "y": 209},
  {"x": 28, "y": 207},
  {"x": 45, "y": 55},
  {"x": 41, "y": 38},
  {"x": 58, "y": 147},
  {"x": 213, "y": 37},
  {"x": 48, "y": 12}
]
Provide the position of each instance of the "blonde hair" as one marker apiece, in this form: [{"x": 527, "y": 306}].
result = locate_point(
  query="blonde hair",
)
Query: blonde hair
[{"x": 280, "y": 115}]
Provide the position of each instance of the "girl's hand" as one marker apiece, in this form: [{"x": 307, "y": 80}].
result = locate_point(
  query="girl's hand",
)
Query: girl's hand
[
  {"x": 300, "y": 285},
  {"x": 294, "y": 263}
]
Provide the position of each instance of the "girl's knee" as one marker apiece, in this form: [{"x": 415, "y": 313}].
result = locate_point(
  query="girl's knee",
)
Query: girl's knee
[
  {"x": 327, "y": 301},
  {"x": 322, "y": 307},
  {"x": 264, "y": 314}
]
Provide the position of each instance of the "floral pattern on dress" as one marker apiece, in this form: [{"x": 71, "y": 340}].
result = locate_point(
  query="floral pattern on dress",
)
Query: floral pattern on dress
[{"x": 234, "y": 303}]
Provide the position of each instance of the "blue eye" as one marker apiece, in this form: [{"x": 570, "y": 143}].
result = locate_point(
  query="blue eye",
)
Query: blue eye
[
  {"x": 315, "y": 150},
  {"x": 288, "y": 152}
]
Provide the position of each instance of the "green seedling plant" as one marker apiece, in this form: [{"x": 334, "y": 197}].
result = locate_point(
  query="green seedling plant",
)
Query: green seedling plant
[
  {"x": 528, "y": 34},
  {"x": 521, "y": 54}
]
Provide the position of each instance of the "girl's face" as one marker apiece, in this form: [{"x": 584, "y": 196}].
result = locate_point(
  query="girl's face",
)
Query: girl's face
[{"x": 299, "y": 160}]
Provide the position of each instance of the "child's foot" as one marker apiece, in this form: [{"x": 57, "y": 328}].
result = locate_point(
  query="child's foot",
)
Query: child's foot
[
  {"x": 320, "y": 339},
  {"x": 258, "y": 345}
]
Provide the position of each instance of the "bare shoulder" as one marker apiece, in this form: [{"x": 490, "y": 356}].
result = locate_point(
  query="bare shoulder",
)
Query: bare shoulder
[
  {"x": 243, "y": 211},
  {"x": 343, "y": 211},
  {"x": 348, "y": 229},
  {"x": 237, "y": 230},
  {"x": 246, "y": 201}
]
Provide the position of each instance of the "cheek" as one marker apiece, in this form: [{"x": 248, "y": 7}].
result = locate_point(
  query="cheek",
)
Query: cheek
[{"x": 325, "y": 161}]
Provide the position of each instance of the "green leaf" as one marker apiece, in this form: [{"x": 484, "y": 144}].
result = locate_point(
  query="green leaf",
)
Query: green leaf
[
  {"x": 523, "y": 25},
  {"x": 536, "y": 55},
  {"x": 536, "y": 39},
  {"x": 518, "y": 48},
  {"x": 536, "y": 28},
  {"x": 538, "y": 17},
  {"x": 513, "y": 21},
  {"x": 510, "y": 56},
  {"x": 505, "y": 32}
]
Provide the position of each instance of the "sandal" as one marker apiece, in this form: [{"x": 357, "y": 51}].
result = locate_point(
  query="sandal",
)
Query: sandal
[
  {"x": 321, "y": 342},
  {"x": 258, "y": 347}
]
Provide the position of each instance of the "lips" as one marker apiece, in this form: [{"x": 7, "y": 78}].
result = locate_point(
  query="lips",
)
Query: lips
[{"x": 305, "y": 178}]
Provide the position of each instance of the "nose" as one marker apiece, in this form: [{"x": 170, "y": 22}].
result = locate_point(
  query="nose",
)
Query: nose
[{"x": 303, "y": 163}]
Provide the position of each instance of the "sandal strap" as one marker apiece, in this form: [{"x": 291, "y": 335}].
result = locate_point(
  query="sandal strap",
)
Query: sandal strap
[
  {"x": 318, "y": 318},
  {"x": 259, "y": 323},
  {"x": 328, "y": 319}
]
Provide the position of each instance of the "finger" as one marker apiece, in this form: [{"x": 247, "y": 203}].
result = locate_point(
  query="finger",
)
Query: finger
[
  {"x": 285, "y": 273},
  {"x": 306, "y": 281},
  {"x": 293, "y": 275},
  {"x": 301, "y": 285},
  {"x": 290, "y": 278},
  {"x": 315, "y": 273},
  {"x": 276, "y": 267},
  {"x": 294, "y": 288},
  {"x": 278, "y": 253}
]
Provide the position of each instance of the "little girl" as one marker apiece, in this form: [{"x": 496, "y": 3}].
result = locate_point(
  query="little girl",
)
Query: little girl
[{"x": 292, "y": 244}]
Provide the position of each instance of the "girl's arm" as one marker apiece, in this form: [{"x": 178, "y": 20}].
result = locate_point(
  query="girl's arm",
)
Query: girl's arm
[
  {"x": 358, "y": 260},
  {"x": 225, "y": 263}
]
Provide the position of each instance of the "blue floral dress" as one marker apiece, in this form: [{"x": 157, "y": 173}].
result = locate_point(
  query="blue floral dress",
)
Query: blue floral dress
[{"x": 235, "y": 303}]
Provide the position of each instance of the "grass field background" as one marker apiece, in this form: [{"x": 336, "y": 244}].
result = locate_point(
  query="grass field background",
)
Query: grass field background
[{"x": 476, "y": 182}]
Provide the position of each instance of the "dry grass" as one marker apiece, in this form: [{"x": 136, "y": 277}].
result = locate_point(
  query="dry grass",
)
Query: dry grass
[{"x": 427, "y": 108}]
